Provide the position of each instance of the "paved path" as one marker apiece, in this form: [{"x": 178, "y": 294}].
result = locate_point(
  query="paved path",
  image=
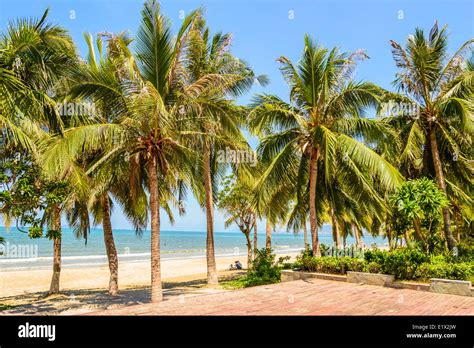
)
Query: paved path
[{"x": 308, "y": 297}]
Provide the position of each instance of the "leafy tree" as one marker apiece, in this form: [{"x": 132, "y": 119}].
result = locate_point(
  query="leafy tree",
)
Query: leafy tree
[
  {"x": 234, "y": 200},
  {"x": 417, "y": 204},
  {"x": 36, "y": 60}
]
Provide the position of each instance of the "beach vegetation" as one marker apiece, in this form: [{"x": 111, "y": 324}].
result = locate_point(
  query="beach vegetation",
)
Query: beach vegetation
[
  {"x": 404, "y": 264},
  {"x": 143, "y": 121}
]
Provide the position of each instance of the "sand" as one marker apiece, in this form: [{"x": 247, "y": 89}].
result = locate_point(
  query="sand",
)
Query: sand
[{"x": 131, "y": 274}]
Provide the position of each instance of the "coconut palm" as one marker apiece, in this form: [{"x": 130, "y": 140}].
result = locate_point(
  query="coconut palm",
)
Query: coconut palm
[
  {"x": 440, "y": 91},
  {"x": 217, "y": 125},
  {"x": 320, "y": 125},
  {"x": 113, "y": 179},
  {"x": 150, "y": 122}
]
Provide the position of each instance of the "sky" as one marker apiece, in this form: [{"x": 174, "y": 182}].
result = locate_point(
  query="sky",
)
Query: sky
[{"x": 264, "y": 30}]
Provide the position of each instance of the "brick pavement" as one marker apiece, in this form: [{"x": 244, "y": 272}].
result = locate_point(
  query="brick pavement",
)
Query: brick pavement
[{"x": 307, "y": 297}]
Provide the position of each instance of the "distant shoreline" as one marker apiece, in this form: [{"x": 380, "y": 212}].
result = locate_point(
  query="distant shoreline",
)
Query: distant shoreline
[{"x": 123, "y": 258}]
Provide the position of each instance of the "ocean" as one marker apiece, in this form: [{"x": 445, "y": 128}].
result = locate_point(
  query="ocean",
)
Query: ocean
[{"x": 21, "y": 252}]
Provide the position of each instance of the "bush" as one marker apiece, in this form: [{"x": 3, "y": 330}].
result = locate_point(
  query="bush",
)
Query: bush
[
  {"x": 373, "y": 267},
  {"x": 264, "y": 269},
  {"x": 463, "y": 253},
  {"x": 375, "y": 255},
  {"x": 443, "y": 270},
  {"x": 403, "y": 263},
  {"x": 354, "y": 265},
  {"x": 329, "y": 264}
]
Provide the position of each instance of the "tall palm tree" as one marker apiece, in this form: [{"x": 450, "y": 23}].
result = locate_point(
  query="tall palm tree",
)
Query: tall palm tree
[
  {"x": 209, "y": 57},
  {"x": 150, "y": 124},
  {"x": 102, "y": 72},
  {"x": 441, "y": 90},
  {"x": 320, "y": 125}
]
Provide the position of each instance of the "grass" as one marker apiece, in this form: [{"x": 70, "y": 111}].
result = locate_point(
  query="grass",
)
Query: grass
[{"x": 234, "y": 284}]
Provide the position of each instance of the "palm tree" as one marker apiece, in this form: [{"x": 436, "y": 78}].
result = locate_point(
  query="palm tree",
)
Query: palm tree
[
  {"x": 150, "y": 122},
  {"x": 440, "y": 89},
  {"x": 217, "y": 126},
  {"x": 319, "y": 126},
  {"x": 103, "y": 73},
  {"x": 38, "y": 56}
]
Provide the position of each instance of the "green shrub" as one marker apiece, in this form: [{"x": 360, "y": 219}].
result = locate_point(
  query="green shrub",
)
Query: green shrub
[
  {"x": 332, "y": 265},
  {"x": 375, "y": 255},
  {"x": 264, "y": 269},
  {"x": 403, "y": 263},
  {"x": 373, "y": 267},
  {"x": 463, "y": 253},
  {"x": 355, "y": 265},
  {"x": 443, "y": 270},
  {"x": 329, "y": 264}
]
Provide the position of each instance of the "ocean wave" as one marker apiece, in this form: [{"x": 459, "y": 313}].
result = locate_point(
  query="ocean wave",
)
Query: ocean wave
[{"x": 68, "y": 258}]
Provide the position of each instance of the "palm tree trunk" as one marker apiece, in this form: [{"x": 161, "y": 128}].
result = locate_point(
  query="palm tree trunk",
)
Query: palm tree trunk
[
  {"x": 255, "y": 241},
  {"x": 407, "y": 244},
  {"x": 335, "y": 230},
  {"x": 305, "y": 234},
  {"x": 54, "y": 286},
  {"x": 457, "y": 217},
  {"x": 249, "y": 249},
  {"x": 156, "y": 292},
  {"x": 389, "y": 237},
  {"x": 419, "y": 235},
  {"x": 210, "y": 253},
  {"x": 442, "y": 185},
  {"x": 268, "y": 235},
  {"x": 110, "y": 246},
  {"x": 356, "y": 235},
  {"x": 313, "y": 176}
]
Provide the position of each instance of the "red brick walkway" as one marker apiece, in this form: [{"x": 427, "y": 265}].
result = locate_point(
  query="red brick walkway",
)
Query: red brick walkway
[{"x": 308, "y": 297}]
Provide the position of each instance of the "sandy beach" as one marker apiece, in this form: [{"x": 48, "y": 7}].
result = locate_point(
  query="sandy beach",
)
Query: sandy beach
[{"x": 131, "y": 274}]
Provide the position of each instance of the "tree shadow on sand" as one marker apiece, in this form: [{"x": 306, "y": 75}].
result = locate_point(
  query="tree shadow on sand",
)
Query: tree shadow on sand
[{"x": 89, "y": 300}]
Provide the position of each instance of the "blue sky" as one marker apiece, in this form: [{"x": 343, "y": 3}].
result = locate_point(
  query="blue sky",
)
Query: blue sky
[{"x": 263, "y": 30}]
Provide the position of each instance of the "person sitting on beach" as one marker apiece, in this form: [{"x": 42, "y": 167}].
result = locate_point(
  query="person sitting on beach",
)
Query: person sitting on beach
[{"x": 238, "y": 265}]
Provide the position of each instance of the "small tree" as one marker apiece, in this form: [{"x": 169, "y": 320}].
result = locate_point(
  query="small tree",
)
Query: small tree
[
  {"x": 234, "y": 199},
  {"x": 31, "y": 200},
  {"x": 417, "y": 205}
]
